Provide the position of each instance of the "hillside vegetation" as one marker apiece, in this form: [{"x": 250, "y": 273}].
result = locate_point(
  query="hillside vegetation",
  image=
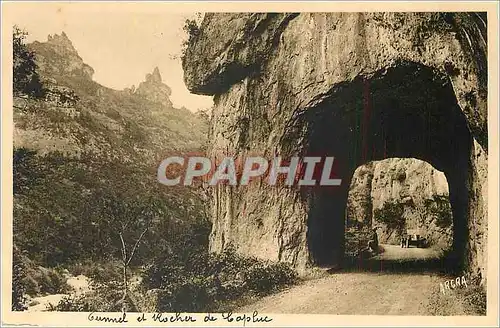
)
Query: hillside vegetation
[{"x": 86, "y": 198}]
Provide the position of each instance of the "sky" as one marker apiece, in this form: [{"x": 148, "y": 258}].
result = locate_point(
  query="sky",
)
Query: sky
[{"x": 122, "y": 44}]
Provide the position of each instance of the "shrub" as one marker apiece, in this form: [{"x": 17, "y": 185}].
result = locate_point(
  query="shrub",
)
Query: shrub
[
  {"x": 31, "y": 279},
  {"x": 391, "y": 215},
  {"x": 191, "y": 29},
  {"x": 98, "y": 272},
  {"x": 229, "y": 262},
  {"x": 264, "y": 278},
  {"x": 440, "y": 208},
  {"x": 475, "y": 300},
  {"x": 103, "y": 297},
  {"x": 192, "y": 295},
  {"x": 26, "y": 80},
  {"x": 40, "y": 280},
  {"x": 73, "y": 303},
  {"x": 204, "y": 281},
  {"x": 18, "y": 281},
  {"x": 356, "y": 239}
]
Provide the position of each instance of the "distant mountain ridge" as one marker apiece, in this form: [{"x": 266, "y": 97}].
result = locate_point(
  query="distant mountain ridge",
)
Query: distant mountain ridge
[
  {"x": 85, "y": 143},
  {"x": 116, "y": 123},
  {"x": 58, "y": 57}
]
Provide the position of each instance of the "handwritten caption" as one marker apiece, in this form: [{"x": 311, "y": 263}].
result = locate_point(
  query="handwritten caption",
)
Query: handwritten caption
[{"x": 243, "y": 318}]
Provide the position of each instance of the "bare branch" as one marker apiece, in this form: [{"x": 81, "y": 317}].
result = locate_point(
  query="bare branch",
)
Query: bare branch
[
  {"x": 125, "y": 224},
  {"x": 124, "y": 249},
  {"x": 136, "y": 244}
]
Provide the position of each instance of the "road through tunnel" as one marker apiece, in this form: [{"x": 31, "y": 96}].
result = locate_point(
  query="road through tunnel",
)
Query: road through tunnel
[{"x": 407, "y": 111}]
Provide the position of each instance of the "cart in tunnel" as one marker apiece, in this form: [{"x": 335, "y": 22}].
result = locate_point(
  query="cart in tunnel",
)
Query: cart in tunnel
[{"x": 413, "y": 237}]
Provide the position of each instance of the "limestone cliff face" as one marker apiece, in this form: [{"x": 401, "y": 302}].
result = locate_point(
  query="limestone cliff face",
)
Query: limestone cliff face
[
  {"x": 359, "y": 201},
  {"x": 419, "y": 191},
  {"x": 357, "y": 86},
  {"x": 312, "y": 53}
]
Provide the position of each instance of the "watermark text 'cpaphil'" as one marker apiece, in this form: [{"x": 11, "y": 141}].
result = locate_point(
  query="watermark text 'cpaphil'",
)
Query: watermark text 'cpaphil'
[{"x": 300, "y": 171}]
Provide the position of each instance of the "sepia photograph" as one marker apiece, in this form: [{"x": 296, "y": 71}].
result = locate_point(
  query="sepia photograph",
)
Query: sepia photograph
[{"x": 183, "y": 165}]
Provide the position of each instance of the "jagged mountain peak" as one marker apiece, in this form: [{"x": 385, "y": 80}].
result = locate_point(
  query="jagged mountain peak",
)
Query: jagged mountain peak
[
  {"x": 61, "y": 41},
  {"x": 154, "y": 77},
  {"x": 154, "y": 89},
  {"x": 58, "y": 57},
  {"x": 62, "y": 37}
]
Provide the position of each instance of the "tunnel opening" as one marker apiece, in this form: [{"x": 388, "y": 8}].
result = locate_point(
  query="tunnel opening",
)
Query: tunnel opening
[
  {"x": 405, "y": 202},
  {"x": 406, "y": 111}
]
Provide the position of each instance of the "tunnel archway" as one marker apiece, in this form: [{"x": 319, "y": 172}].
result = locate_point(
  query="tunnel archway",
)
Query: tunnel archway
[
  {"x": 405, "y": 111},
  {"x": 398, "y": 196}
]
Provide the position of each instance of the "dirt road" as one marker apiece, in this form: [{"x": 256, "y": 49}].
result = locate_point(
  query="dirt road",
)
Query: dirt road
[{"x": 388, "y": 290}]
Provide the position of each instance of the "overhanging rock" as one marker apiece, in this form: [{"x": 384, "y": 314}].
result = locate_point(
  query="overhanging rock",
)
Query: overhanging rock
[{"x": 357, "y": 86}]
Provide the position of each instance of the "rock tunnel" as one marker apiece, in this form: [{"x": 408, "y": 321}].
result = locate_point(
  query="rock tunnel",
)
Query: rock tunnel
[
  {"x": 356, "y": 86},
  {"x": 409, "y": 111}
]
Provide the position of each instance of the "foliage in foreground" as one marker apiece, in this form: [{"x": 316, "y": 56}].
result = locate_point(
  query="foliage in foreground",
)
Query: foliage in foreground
[
  {"x": 204, "y": 282},
  {"x": 26, "y": 80},
  {"x": 208, "y": 280},
  {"x": 29, "y": 279},
  {"x": 82, "y": 206}
]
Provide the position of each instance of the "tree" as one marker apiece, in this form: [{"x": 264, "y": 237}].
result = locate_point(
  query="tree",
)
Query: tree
[
  {"x": 130, "y": 218},
  {"x": 391, "y": 215},
  {"x": 26, "y": 81},
  {"x": 192, "y": 31}
]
